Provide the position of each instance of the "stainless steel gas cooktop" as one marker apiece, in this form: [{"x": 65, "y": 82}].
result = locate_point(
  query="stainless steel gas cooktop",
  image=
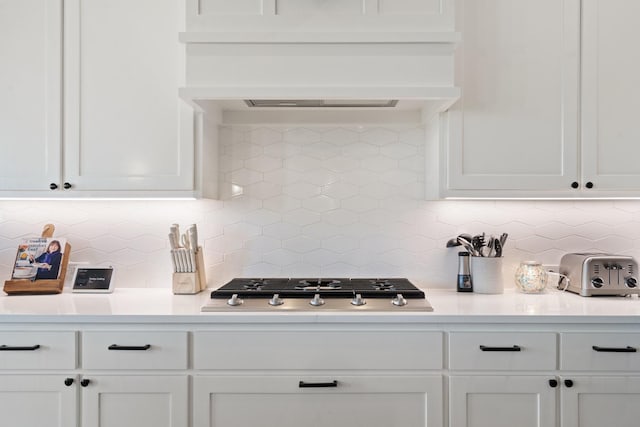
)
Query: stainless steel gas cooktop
[{"x": 289, "y": 294}]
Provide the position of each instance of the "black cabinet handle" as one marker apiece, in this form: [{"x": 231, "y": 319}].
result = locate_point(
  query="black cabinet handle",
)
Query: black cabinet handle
[
  {"x": 512, "y": 348},
  {"x": 53, "y": 186},
  {"x": 129, "y": 347},
  {"x": 574, "y": 184},
  {"x": 68, "y": 381},
  {"x": 85, "y": 382},
  {"x": 303, "y": 384},
  {"x": 568, "y": 383},
  {"x": 27, "y": 348},
  {"x": 66, "y": 186},
  {"x": 626, "y": 349},
  {"x": 589, "y": 184},
  {"x": 553, "y": 383}
]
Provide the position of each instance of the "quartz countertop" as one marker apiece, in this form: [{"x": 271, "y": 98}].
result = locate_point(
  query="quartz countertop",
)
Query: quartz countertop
[{"x": 161, "y": 306}]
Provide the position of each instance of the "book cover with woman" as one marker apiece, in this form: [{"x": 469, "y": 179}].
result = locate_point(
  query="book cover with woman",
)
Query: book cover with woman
[{"x": 39, "y": 258}]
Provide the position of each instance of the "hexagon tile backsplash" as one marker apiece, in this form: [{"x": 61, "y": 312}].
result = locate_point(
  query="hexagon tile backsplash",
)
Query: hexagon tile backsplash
[{"x": 319, "y": 201}]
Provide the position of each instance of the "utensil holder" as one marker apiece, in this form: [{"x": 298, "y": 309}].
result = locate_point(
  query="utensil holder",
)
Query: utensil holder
[
  {"x": 191, "y": 283},
  {"x": 486, "y": 273}
]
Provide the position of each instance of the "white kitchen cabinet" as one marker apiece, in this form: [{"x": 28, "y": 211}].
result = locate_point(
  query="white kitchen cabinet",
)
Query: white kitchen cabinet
[
  {"x": 318, "y": 401},
  {"x": 339, "y": 377},
  {"x": 492, "y": 392},
  {"x": 111, "y": 123},
  {"x": 135, "y": 401},
  {"x": 594, "y": 401},
  {"x": 515, "y": 130},
  {"x": 38, "y": 400},
  {"x": 610, "y": 95},
  {"x": 501, "y": 401},
  {"x": 125, "y": 128},
  {"x": 30, "y": 93},
  {"x": 546, "y": 112}
]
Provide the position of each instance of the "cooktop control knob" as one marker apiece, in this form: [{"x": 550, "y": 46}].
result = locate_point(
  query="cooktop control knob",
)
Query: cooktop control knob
[
  {"x": 597, "y": 282},
  {"x": 316, "y": 301},
  {"x": 631, "y": 282},
  {"x": 399, "y": 300},
  {"x": 358, "y": 300},
  {"x": 276, "y": 300},
  {"x": 234, "y": 300}
]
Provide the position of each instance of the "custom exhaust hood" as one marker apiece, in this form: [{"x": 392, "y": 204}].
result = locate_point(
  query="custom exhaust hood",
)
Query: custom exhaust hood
[{"x": 368, "y": 62}]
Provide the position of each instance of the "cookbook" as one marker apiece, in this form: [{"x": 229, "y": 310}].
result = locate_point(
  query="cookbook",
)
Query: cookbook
[{"x": 39, "y": 258}]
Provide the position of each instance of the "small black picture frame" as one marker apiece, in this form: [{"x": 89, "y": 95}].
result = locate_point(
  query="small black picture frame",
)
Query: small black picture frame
[{"x": 93, "y": 280}]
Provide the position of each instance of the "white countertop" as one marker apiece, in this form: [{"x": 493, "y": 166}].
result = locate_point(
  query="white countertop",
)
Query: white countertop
[{"x": 161, "y": 306}]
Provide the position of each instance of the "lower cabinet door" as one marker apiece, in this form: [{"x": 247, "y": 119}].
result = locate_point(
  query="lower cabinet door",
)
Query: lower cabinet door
[
  {"x": 314, "y": 401},
  {"x": 38, "y": 401},
  {"x": 502, "y": 401},
  {"x": 134, "y": 401},
  {"x": 600, "y": 401}
]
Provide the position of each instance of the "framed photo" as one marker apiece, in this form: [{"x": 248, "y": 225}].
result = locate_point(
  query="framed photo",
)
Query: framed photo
[{"x": 39, "y": 258}]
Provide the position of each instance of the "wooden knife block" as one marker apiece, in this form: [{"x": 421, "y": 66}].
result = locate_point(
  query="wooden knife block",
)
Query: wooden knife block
[
  {"x": 191, "y": 283},
  {"x": 42, "y": 286}
]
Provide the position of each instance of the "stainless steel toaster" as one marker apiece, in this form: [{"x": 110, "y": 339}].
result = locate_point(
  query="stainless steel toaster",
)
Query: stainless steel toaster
[{"x": 592, "y": 274}]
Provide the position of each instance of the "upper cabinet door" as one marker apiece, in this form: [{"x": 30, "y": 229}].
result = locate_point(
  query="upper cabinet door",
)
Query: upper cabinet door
[
  {"x": 611, "y": 94},
  {"x": 125, "y": 127},
  {"x": 30, "y": 93},
  {"x": 515, "y": 130}
]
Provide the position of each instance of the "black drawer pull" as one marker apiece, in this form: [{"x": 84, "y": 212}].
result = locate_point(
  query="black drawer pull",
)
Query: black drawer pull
[
  {"x": 85, "y": 382},
  {"x": 27, "y": 348},
  {"x": 626, "y": 349},
  {"x": 303, "y": 384},
  {"x": 512, "y": 348},
  {"x": 129, "y": 347}
]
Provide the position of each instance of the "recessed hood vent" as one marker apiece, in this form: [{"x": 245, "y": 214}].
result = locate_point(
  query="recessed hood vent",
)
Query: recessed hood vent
[
  {"x": 280, "y": 59},
  {"x": 320, "y": 103}
]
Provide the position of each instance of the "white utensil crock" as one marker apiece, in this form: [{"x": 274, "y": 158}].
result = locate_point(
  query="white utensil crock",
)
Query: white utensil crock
[{"x": 486, "y": 275}]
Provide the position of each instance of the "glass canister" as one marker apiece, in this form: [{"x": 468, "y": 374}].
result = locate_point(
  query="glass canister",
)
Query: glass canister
[{"x": 531, "y": 278}]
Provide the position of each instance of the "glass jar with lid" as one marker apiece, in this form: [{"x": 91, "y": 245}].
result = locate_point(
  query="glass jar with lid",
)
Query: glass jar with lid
[{"x": 531, "y": 277}]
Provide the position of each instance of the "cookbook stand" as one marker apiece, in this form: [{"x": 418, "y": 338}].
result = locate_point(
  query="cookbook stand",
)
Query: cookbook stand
[{"x": 42, "y": 286}]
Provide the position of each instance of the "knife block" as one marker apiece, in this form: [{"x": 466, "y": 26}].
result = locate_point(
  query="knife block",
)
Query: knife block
[{"x": 191, "y": 283}]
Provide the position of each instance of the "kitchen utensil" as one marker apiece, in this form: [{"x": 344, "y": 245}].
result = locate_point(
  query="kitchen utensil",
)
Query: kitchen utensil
[
  {"x": 175, "y": 230},
  {"x": 503, "y": 239},
  {"x": 497, "y": 247},
  {"x": 468, "y": 245},
  {"x": 192, "y": 234},
  {"x": 454, "y": 241},
  {"x": 479, "y": 243},
  {"x": 490, "y": 246}
]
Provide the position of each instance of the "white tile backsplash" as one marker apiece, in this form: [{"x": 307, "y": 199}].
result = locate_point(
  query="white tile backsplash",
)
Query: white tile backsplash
[{"x": 319, "y": 201}]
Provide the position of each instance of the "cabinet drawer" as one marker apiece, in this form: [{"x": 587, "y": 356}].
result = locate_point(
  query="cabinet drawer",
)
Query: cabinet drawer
[
  {"x": 351, "y": 350},
  {"x": 38, "y": 350},
  {"x": 502, "y": 351},
  {"x": 600, "y": 351},
  {"x": 134, "y": 350}
]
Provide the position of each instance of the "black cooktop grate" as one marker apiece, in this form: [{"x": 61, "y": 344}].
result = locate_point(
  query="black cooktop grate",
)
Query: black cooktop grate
[{"x": 327, "y": 288}]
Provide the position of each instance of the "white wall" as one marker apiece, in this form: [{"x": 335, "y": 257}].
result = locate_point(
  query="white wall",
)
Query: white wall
[{"x": 319, "y": 201}]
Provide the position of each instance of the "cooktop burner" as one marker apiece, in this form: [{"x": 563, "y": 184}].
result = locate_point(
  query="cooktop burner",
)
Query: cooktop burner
[{"x": 302, "y": 294}]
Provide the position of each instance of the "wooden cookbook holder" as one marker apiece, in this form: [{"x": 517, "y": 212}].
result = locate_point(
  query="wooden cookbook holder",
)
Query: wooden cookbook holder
[{"x": 42, "y": 286}]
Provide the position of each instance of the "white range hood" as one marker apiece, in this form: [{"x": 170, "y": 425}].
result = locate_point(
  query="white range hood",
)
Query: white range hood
[{"x": 363, "y": 60}]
